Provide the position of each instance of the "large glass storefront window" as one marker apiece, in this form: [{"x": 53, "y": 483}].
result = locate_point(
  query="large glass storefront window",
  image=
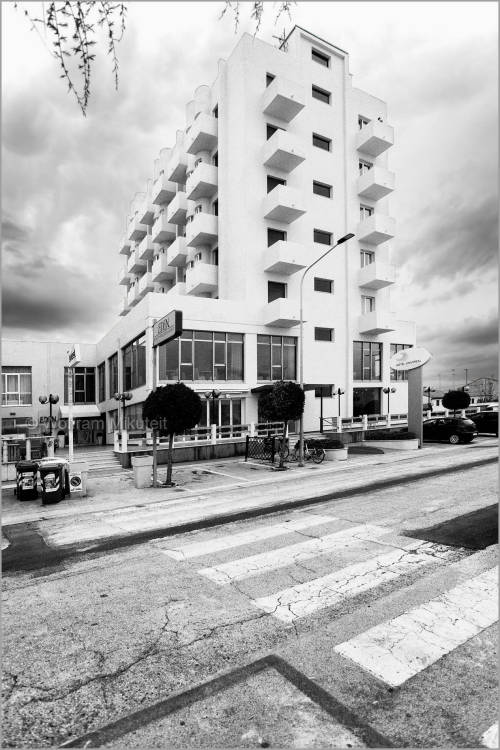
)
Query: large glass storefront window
[
  {"x": 276, "y": 357},
  {"x": 83, "y": 385},
  {"x": 113, "y": 374},
  {"x": 367, "y": 360},
  {"x": 101, "y": 378},
  {"x": 202, "y": 355},
  {"x": 134, "y": 363},
  {"x": 395, "y": 348},
  {"x": 221, "y": 411},
  {"x": 365, "y": 401}
]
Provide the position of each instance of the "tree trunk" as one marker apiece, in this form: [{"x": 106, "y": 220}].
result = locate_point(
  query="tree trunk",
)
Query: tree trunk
[
  {"x": 170, "y": 456},
  {"x": 155, "y": 458}
]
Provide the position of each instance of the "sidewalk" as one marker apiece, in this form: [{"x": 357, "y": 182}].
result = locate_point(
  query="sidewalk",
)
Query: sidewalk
[{"x": 216, "y": 491}]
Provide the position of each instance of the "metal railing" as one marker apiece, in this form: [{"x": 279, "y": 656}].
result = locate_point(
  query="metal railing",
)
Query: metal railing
[{"x": 207, "y": 435}]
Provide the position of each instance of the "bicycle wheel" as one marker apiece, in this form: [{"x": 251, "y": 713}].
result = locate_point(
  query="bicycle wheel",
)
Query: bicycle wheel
[
  {"x": 293, "y": 456},
  {"x": 317, "y": 455}
]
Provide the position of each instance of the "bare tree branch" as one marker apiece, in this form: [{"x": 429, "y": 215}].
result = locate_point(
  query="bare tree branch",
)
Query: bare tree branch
[{"x": 256, "y": 12}]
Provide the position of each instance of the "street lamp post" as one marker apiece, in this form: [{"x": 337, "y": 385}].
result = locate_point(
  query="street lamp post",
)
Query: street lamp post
[
  {"x": 389, "y": 391},
  {"x": 214, "y": 395},
  {"x": 121, "y": 398},
  {"x": 428, "y": 391},
  {"x": 52, "y": 399},
  {"x": 301, "y": 339},
  {"x": 339, "y": 393}
]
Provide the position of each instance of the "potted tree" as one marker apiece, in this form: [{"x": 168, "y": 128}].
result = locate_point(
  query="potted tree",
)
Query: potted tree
[
  {"x": 170, "y": 409},
  {"x": 456, "y": 400},
  {"x": 284, "y": 402}
]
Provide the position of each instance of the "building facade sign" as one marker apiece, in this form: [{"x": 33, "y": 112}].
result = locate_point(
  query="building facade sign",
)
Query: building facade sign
[
  {"x": 409, "y": 359},
  {"x": 74, "y": 357},
  {"x": 169, "y": 327}
]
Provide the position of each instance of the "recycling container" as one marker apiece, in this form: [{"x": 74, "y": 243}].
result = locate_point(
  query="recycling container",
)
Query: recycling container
[
  {"x": 55, "y": 483},
  {"x": 26, "y": 475}
]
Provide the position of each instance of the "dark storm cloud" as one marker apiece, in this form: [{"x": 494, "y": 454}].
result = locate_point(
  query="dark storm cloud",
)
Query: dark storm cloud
[{"x": 469, "y": 333}]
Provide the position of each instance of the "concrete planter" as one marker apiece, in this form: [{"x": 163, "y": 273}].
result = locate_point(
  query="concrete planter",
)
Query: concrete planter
[
  {"x": 335, "y": 454},
  {"x": 394, "y": 445},
  {"x": 143, "y": 468}
]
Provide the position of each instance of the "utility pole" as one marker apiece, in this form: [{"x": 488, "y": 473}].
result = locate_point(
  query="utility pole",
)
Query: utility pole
[{"x": 466, "y": 376}]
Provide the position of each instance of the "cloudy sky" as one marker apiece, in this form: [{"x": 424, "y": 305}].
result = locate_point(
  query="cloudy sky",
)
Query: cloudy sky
[{"x": 68, "y": 180}]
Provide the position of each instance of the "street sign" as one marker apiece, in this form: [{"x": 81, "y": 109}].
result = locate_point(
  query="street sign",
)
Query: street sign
[
  {"x": 168, "y": 328},
  {"x": 409, "y": 359},
  {"x": 74, "y": 357}
]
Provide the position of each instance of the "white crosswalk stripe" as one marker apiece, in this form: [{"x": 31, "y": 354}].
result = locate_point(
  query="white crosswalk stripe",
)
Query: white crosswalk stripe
[
  {"x": 304, "y": 599},
  {"x": 398, "y": 649},
  {"x": 254, "y": 565},
  {"x": 208, "y": 546}
]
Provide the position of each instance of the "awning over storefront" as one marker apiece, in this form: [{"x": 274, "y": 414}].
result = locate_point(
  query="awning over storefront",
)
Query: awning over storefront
[{"x": 80, "y": 411}]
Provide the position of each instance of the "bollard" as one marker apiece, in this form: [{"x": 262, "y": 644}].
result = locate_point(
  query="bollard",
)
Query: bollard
[{"x": 143, "y": 468}]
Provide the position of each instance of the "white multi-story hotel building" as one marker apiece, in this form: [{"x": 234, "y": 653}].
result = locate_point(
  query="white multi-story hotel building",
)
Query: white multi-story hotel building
[{"x": 278, "y": 159}]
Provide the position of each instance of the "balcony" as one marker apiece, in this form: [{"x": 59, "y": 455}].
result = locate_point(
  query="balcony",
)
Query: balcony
[
  {"x": 203, "y": 230},
  {"x": 202, "y": 135},
  {"x": 283, "y": 99},
  {"x": 136, "y": 265},
  {"x": 176, "y": 209},
  {"x": 177, "y": 252},
  {"x": 133, "y": 295},
  {"x": 146, "y": 213},
  {"x": 124, "y": 276},
  {"x": 136, "y": 230},
  {"x": 125, "y": 246},
  {"x": 162, "y": 230},
  {"x": 376, "y": 322},
  {"x": 282, "y": 151},
  {"x": 376, "y": 183},
  {"x": 176, "y": 168},
  {"x": 202, "y": 278},
  {"x": 375, "y": 138},
  {"x": 284, "y": 204},
  {"x": 202, "y": 182},
  {"x": 145, "y": 285},
  {"x": 286, "y": 258},
  {"x": 146, "y": 248},
  {"x": 161, "y": 271},
  {"x": 376, "y": 229},
  {"x": 125, "y": 306},
  {"x": 376, "y": 276},
  {"x": 163, "y": 191},
  {"x": 282, "y": 313}
]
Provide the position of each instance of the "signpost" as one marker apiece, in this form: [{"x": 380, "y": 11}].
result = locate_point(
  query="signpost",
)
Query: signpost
[
  {"x": 412, "y": 361},
  {"x": 166, "y": 329},
  {"x": 74, "y": 359}
]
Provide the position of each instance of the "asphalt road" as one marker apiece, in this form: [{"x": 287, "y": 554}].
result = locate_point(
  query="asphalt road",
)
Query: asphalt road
[{"x": 364, "y": 621}]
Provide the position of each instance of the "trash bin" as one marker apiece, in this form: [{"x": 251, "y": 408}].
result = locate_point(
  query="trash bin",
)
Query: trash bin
[
  {"x": 26, "y": 475},
  {"x": 55, "y": 480}
]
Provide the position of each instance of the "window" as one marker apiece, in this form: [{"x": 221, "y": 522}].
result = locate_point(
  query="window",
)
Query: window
[
  {"x": 275, "y": 290},
  {"x": 16, "y": 425},
  {"x": 367, "y": 258},
  {"x": 215, "y": 207},
  {"x": 215, "y": 111},
  {"x": 101, "y": 379},
  {"x": 271, "y": 130},
  {"x": 269, "y": 79},
  {"x": 367, "y": 360},
  {"x": 134, "y": 363},
  {"x": 198, "y": 209},
  {"x": 323, "y": 285},
  {"x": 224, "y": 411},
  {"x": 275, "y": 235},
  {"x": 323, "y": 391},
  {"x": 272, "y": 182},
  {"x": 320, "y": 58},
  {"x": 113, "y": 374},
  {"x": 215, "y": 256},
  {"x": 321, "y": 94},
  {"x": 276, "y": 357},
  {"x": 16, "y": 386},
  {"x": 197, "y": 256},
  {"x": 324, "y": 334},
  {"x": 132, "y": 417},
  {"x": 321, "y": 142},
  {"x": 362, "y": 121},
  {"x": 215, "y": 159},
  {"x": 320, "y": 188},
  {"x": 367, "y": 304},
  {"x": 365, "y": 212},
  {"x": 364, "y": 166},
  {"x": 202, "y": 355},
  {"x": 395, "y": 375},
  {"x": 324, "y": 238},
  {"x": 83, "y": 385}
]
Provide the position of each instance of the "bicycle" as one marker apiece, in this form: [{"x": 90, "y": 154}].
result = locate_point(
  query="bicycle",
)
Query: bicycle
[{"x": 315, "y": 453}]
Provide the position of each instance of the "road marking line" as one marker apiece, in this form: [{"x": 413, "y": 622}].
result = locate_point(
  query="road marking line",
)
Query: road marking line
[
  {"x": 490, "y": 737},
  {"x": 306, "y": 598},
  {"x": 197, "y": 549},
  {"x": 402, "y": 647},
  {"x": 246, "y": 567},
  {"x": 231, "y": 476}
]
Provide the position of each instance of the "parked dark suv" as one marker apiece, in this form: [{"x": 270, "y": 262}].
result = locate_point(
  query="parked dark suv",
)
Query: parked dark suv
[
  {"x": 453, "y": 429},
  {"x": 486, "y": 421}
]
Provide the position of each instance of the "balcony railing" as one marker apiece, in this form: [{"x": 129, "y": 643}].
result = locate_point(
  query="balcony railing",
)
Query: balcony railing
[
  {"x": 145, "y": 285},
  {"x": 375, "y": 323},
  {"x": 136, "y": 264},
  {"x": 136, "y": 230},
  {"x": 375, "y": 138},
  {"x": 124, "y": 276},
  {"x": 202, "y": 182},
  {"x": 163, "y": 231},
  {"x": 203, "y": 134},
  {"x": 283, "y": 99},
  {"x": 133, "y": 295},
  {"x": 146, "y": 213},
  {"x": 176, "y": 168},
  {"x": 282, "y": 313},
  {"x": 285, "y": 258},
  {"x": 163, "y": 191},
  {"x": 125, "y": 246},
  {"x": 176, "y": 210},
  {"x": 284, "y": 204},
  {"x": 160, "y": 270},
  {"x": 202, "y": 230},
  {"x": 376, "y": 183},
  {"x": 125, "y": 308},
  {"x": 177, "y": 252},
  {"x": 283, "y": 151},
  {"x": 376, "y": 275},
  {"x": 146, "y": 248},
  {"x": 202, "y": 278},
  {"x": 376, "y": 229}
]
